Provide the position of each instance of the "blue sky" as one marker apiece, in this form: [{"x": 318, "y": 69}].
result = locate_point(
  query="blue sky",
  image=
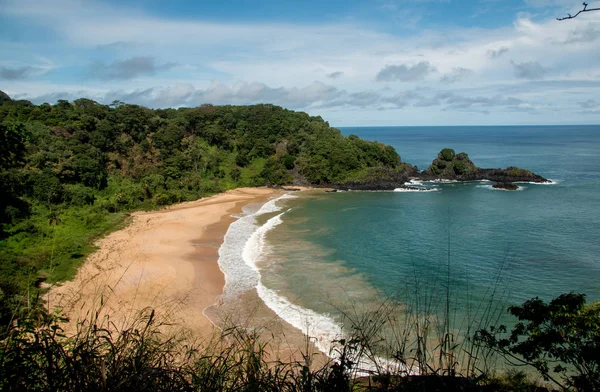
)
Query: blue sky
[{"x": 378, "y": 62}]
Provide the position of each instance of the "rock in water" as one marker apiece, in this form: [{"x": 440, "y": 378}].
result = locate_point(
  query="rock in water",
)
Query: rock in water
[
  {"x": 458, "y": 167},
  {"x": 509, "y": 186}
]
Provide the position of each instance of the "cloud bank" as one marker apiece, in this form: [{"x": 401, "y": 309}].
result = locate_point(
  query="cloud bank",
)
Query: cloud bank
[{"x": 533, "y": 70}]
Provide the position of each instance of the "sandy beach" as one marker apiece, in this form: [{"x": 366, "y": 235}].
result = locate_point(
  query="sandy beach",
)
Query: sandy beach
[{"x": 166, "y": 260}]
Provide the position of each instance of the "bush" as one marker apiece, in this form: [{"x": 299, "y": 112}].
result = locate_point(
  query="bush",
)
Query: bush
[
  {"x": 162, "y": 199},
  {"x": 47, "y": 188},
  {"x": 275, "y": 172},
  {"x": 235, "y": 173},
  {"x": 460, "y": 167},
  {"x": 547, "y": 337},
  {"x": 289, "y": 161},
  {"x": 447, "y": 154},
  {"x": 79, "y": 195}
]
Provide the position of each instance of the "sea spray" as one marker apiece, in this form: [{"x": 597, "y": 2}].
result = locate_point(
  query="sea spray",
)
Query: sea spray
[{"x": 408, "y": 190}]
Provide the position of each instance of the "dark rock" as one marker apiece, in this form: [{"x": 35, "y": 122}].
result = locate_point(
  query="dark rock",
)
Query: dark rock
[
  {"x": 447, "y": 166},
  {"x": 458, "y": 167},
  {"x": 509, "y": 186},
  {"x": 379, "y": 179}
]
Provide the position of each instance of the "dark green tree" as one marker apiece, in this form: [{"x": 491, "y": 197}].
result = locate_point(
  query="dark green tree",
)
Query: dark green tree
[{"x": 560, "y": 339}]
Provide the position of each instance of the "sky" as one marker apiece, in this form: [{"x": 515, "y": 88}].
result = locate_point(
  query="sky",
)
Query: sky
[{"x": 354, "y": 63}]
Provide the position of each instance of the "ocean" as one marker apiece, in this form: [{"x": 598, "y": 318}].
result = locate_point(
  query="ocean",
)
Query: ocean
[{"x": 321, "y": 260}]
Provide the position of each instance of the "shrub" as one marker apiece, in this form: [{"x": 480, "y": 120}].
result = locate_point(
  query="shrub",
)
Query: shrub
[
  {"x": 162, "y": 199},
  {"x": 79, "y": 195},
  {"x": 289, "y": 161},
  {"x": 460, "y": 166},
  {"x": 235, "y": 173},
  {"x": 447, "y": 154},
  {"x": 549, "y": 336}
]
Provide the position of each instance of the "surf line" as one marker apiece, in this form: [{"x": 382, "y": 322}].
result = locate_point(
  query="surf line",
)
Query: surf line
[{"x": 243, "y": 246}]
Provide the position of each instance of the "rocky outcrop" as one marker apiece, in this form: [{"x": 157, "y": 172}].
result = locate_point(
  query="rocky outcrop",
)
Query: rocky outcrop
[
  {"x": 458, "y": 167},
  {"x": 447, "y": 166},
  {"x": 511, "y": 174},
  {"x": 451, "y": 166},
  {"x": 508, "y": 186},
  {"x": 380, "y": 179}
]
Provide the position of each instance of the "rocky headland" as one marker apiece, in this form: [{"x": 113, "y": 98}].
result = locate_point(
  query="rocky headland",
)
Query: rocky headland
[
  {"x": 447, "y": 166},
  {"x": 458, "y": 167},
  {"x": 380, "y": 179}
]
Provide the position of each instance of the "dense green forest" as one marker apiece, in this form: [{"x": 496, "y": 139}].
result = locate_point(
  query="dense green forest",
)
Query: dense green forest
[{"x": 70, "y": 172}]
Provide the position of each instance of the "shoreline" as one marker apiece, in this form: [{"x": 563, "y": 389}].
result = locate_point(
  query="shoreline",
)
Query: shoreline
[{"x": 166, "y": 260}]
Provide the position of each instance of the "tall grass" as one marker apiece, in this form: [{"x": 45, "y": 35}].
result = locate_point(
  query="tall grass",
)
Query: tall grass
[{"x": 37, "y": 355}]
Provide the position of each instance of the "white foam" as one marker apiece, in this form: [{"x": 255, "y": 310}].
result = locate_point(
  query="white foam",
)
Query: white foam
[
  {"x": 443, "y": 181},
  {"x": 241, "y": 276},
  {"x": 550, "y": 182},
  {"x": 272, "y": 206},
  {"x": 242, "y": 248},
  {"x": 416, "y": 190}
]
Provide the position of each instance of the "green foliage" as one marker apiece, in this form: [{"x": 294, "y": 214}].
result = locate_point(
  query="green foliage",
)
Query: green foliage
[
  {"x": 447, "y": 154},
  {"x": 79, "y": 195},
  {"x": 235, "y": 173},
  {"x": 289, "y": 162},
  {"x": 560, "y": 339},
  {"x": 449, "y": 165},
  {"x": 460, "y": 166},
  {"x": 275, "y": 172},
  {"x": 12, "y": 182}
]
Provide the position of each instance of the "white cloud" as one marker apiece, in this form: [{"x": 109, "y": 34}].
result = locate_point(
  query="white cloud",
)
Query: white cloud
[{"x": 480, "y": 64}]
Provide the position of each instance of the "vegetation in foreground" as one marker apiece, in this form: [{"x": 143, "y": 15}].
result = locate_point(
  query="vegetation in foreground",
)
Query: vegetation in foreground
[{"x": 559, "y": 339}]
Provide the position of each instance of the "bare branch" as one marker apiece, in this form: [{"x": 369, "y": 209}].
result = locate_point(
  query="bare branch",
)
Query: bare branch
[{"x": 585, "y": 9}]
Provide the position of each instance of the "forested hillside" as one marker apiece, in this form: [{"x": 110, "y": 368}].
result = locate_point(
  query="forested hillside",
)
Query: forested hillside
[{"x": 70, "y": 172}]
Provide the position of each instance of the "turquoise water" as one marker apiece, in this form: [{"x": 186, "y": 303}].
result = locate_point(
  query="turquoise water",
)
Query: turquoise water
[{"x": 360, "y": 247}]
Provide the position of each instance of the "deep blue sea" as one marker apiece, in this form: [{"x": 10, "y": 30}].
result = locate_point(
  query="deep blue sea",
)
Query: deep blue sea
[{"x": 328, "y": 254}]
